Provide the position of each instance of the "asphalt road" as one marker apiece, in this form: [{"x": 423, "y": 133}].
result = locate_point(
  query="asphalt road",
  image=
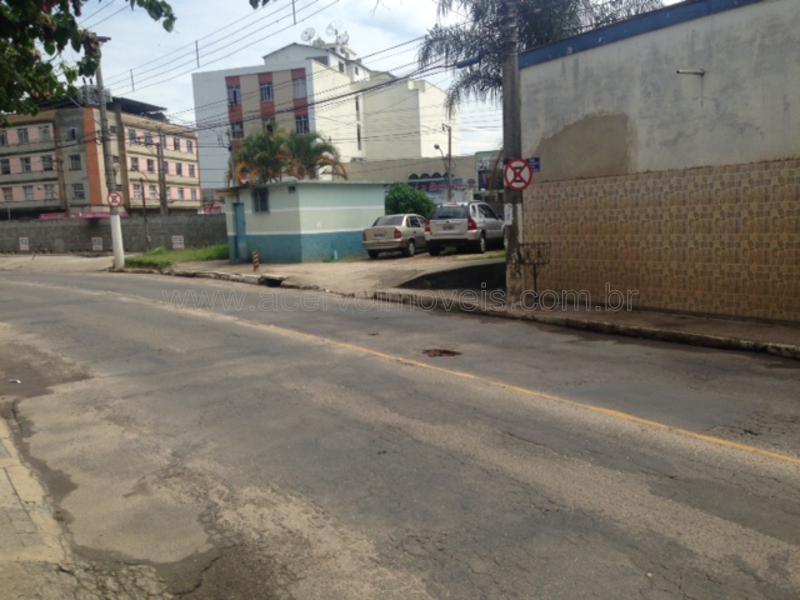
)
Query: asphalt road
[{"x": 241, "y": 442}]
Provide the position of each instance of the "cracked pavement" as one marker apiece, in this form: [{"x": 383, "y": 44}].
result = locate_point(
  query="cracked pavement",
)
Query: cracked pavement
[{"x": 269, "y": 444}]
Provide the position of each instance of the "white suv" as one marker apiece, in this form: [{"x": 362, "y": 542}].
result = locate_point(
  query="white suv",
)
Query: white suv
[{"x": 472, "y": 225}]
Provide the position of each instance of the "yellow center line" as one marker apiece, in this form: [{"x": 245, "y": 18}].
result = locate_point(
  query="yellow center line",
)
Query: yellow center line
[
  {"x": 396, "y": 358},
  {"x": 608, "y": 412}
]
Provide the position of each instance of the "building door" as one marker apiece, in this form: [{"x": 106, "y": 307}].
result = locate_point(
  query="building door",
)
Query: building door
[{"x": 241, "y": 233}]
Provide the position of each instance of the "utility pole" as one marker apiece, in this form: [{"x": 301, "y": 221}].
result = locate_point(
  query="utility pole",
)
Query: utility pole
[
  {"x": 449, "y": 130},
  {"x": 512, "y": 148},
  {"x": 111, "y": 180},
  {"x": 162, "y": 176}
]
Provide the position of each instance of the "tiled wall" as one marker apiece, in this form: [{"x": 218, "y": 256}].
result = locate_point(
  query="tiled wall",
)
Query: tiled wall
[{"x": 715, "y": 240}]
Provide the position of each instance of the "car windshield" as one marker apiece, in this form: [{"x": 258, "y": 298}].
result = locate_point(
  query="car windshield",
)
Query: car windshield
[
  {"x": 388, "y": 220},
  {"x": 450, "y": 212}
]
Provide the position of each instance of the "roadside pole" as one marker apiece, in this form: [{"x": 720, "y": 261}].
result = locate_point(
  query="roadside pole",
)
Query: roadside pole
[
  {"x": 111, "y": 180},
  {"x": 449, "y": 129},
  {"x": 512, "y": 148},
  {"x": 162, "y": 176}
]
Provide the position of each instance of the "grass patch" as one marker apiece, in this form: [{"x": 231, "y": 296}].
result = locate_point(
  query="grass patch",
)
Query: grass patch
[{"x": 161, "y": 258}]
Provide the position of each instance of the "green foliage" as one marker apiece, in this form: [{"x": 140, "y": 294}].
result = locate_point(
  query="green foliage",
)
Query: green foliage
[
  {"x": 309, "y": 152},
  {"x": 540, "y": 22},
  {"x": 262, "y": 158},
  {"x": 160, "y": 258},
  {"x": 266, "y": 157},
  {"x": 403, "y": 198},
  {"x": 33, "y": 35}
]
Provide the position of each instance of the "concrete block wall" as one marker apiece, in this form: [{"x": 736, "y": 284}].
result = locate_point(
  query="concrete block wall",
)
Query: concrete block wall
[
  {"x": 76, "y": 235},
  {"x": 711, "y": 240}
]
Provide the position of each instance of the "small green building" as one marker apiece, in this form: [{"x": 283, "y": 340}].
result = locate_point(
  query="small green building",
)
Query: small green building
[{"x": 301, "y": 221}]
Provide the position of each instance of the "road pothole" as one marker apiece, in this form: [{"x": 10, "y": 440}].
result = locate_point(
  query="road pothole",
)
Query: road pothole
[{"x": 440, "y": 352}]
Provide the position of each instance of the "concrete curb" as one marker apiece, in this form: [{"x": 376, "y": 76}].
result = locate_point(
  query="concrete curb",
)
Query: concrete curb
[
  {"x": 435, "y": 301},
  {"x": 599, "y": 326}
]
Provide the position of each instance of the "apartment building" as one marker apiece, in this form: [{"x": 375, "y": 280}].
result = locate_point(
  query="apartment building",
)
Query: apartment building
[
  {"x": 324, "y": 88},
  {"x": 53, "y": 161}
]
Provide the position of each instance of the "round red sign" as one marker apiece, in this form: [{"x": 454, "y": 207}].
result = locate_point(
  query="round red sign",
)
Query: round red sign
[{"x": 518, "y": 174}]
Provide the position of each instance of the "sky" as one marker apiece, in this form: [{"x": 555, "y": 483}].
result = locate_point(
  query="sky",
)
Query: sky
[{"x": 230, "y": 33}]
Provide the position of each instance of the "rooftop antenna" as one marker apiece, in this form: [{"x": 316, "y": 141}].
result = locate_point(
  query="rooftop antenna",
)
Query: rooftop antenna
[{"x": 308, "y": 34}]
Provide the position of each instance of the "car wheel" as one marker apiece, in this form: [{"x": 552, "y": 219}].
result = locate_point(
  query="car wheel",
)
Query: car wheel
[
  {"x": 480, "y": 245},
  {"x": 372, "y": 253},
  {"x": 434, "y": 250},
  {"x": 411, "y": 248}
]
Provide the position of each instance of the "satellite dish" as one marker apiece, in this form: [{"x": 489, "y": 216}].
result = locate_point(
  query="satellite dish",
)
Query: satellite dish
[
  {"x": 343, "y": 38},
  {"x": 331, "y": 30},
  {"x": 308, "y": 34}
]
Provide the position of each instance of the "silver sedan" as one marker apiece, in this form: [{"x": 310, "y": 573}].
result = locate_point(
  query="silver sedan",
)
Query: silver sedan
[{"x": 391, "y": 233}]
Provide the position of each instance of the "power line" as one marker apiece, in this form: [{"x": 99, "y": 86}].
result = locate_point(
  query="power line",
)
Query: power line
[
  {"x": 114, "y": 14},
  {"x": 161, "y": 62},
  {"x": 315, "y": 13}
]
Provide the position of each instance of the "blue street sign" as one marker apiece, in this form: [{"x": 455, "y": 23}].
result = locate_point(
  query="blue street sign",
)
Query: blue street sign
[{"x": 535, "y": 164}]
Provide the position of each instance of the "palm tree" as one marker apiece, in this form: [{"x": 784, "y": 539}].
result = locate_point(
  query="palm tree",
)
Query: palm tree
[
  {"x": 540, "y": 22},
  {"x": 308, "y": 152},
  {"x": 262, "y": 158}
]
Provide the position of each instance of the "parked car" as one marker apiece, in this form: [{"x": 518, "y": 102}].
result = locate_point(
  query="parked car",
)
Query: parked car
[
  {"x": 470, "y": 225},
  {"x": 395, "y": 232}
]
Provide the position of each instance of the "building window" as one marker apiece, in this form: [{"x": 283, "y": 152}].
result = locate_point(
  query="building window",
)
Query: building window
[
  {"x": 5, "y": 166},
  {"x": 181, "y": 194},
  {"x": 261, "y": 200},
  {"x": 72, "y": 134},
  {"x": 193, "y": 194},
  {"x": 358, "y": 109},
  {"x": 8, "y": 194},
  {"x": 148, "y": 139},
  {"x": 299, "y": 88},
  {"x": 152, "y": 191},
  {"x": 47, "y": 163},
  {"x": 301, "y": 124},
  {"x": 357, "y": 72},
  {"x": 169, "y": 193},
  {"x": 132, "y": 136},
  {"x": 49, "y": 191},
  {"x": 192, "y": 171},
  {"x": 22, "y": 135},
  {"x": 266, "y": 92},
  {"x": 112, "y": 130},
  {"x": 190, "y": 146},
  {"x": 358, "y": 136},
  {"x": 137, "y": 191},
  {"x": 234, "y": 95},
  {"x": 151, "y": 165},
  {"x": 179, "y": 168},
  {"x": 74, "y": 162},
  {"x": 237, "y": 131},
  {"x": 165, "y": 167},
  {"x": 341, "y": 67},
  {"x": 25, "y": 163},
  {"x": 268, "y": 124},
  {"x": 27, "y": 191},
  {"x": 292, "y": 189},
  {"x": 134, "y": 163},
  {"x": 3, "y": 138},
  {"x": 77, "y": 191},
  {"x": 176, "y": 144},
  {"x": 44, "y": 133}
]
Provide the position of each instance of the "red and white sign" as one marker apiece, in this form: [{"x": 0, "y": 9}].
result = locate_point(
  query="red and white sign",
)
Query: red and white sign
[
  {"x": 115, "y": 199},
  {"x": 518, "y": 174}
]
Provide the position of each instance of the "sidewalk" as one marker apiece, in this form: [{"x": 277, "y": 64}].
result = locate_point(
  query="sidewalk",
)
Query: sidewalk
[
  {"x": 753, "y": 336},
  {"x": 363, "y": 279}
]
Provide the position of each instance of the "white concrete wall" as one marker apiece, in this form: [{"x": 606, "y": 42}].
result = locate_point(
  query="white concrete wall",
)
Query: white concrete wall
[
  {"x": 622, "y": 108},
  {"x": 336, "y": 120}
]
